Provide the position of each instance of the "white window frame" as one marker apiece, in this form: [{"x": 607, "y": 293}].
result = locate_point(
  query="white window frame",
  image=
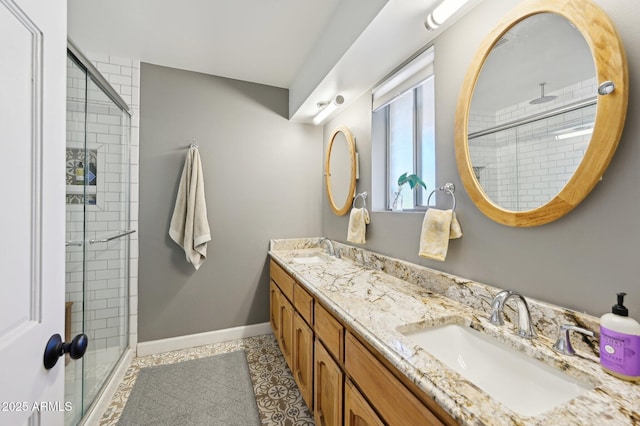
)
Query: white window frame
[{"x": 410, "y": 76}]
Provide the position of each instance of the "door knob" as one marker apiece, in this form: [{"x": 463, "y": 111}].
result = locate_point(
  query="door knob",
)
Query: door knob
[{"x": 56, "y": 348}]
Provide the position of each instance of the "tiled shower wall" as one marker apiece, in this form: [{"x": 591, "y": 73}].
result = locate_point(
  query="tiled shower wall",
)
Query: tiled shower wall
[
  {"x": 524, "y": 167},
  {"x": 106, "y": 301}
]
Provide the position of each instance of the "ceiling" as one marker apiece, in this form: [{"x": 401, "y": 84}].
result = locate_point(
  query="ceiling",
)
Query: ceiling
[
  {"x": 261, "y": 41},
  {"x": 315, "y": 48}
]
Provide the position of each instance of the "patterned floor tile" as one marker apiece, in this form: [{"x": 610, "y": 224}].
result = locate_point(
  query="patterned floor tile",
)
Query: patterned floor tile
[{"x": 277, "y": 395}]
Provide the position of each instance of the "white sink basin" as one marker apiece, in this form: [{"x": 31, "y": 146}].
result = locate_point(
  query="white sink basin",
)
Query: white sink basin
[
  {"x": 310, "y": 260},
  {"x": 524, "y": 384}
]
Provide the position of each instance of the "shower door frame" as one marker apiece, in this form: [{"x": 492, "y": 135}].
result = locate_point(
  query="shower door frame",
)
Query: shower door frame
[{"x": 94, "y": 76}]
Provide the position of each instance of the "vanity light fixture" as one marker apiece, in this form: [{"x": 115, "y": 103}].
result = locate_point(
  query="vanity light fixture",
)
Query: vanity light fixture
[
  {"x": 443, "y": 12},
  {"x": 326, "y": 108}
]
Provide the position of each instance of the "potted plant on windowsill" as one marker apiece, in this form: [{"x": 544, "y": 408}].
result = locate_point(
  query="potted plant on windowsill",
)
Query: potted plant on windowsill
[{"x": 413, "y": 180}]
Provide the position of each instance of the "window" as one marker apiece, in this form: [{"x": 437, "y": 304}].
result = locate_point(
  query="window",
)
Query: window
[{"x": 404, "y": 131}]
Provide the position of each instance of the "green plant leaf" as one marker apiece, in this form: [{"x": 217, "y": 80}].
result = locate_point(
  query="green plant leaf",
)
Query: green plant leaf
[
  {"x": 402, "y": 179},
  {"x": 413, "y": 180}
]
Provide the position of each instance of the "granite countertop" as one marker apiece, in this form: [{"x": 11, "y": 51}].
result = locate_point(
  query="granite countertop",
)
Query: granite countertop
[{"x": 378, "y": 297}]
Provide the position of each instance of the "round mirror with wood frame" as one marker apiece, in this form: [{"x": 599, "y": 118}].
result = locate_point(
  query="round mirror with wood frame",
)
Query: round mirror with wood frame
[
  {"x": 610, "y": 65},
  {"x": 340, "y": 170}
]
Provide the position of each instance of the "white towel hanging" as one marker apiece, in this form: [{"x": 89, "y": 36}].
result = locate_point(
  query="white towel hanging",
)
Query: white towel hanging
[{"x": 189, "y": 226}]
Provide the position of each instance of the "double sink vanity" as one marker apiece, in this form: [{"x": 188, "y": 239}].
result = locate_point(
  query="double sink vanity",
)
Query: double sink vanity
[{"x": 375, "y": 340}]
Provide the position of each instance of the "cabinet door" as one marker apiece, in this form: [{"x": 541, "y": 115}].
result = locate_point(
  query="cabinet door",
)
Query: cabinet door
[
  {"x": 357, "y": 411},
  {"x": 274, "y": 312},
  {"x": 327, "y": 388},
  {"x": 286, "y": 330},
  {"x": 303, "y": 358}
]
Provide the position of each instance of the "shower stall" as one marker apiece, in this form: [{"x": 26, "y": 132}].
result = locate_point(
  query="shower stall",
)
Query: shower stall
[{"x": 97, "y": 230}]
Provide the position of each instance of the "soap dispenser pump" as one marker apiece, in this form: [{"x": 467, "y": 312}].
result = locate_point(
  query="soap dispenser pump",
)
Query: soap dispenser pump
[{"x": 620, "y": 342}]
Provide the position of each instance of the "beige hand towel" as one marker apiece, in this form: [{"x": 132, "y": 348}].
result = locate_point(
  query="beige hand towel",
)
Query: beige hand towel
[
  {"x": 438, "y": 227},
  {"x": 456, "y": 230},
  {"x": 358, "y": 220},
  {"x": 189, "y": 226}
]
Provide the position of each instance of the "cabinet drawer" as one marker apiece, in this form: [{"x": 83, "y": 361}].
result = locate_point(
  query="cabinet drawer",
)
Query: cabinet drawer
[
  {"x": 330, "y": 331},
  {"x": 284, "y": 280},
  {"x": 394, "y": 402},
  {"x": 303, "y": 303}
]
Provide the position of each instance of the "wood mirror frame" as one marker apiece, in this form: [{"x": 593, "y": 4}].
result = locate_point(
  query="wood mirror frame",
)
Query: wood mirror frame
[
  {"x": 341, "y": 207},
  {"x": 611, "y": 65}
]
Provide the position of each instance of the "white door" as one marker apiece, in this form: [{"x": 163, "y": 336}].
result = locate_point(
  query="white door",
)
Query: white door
[{"x": 32, "y": 152}]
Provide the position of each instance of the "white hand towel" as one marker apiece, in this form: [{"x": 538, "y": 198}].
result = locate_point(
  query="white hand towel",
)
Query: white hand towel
[
  {"x": 438, "y": 227},
  {"x": 358, "y": 220},
  {"x": 189, "y": 226}
]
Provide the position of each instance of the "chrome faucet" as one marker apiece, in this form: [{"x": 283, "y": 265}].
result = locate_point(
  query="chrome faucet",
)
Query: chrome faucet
[
  {"x": 330, "y": 248},
  {"x": 525, "y": 325},
  {"x": 563, "y": 344}
]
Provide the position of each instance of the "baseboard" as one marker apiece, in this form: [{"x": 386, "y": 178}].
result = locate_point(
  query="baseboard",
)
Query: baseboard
[
  {"x": 100, "y": 405},
  {"x": 192, "y": 340}
]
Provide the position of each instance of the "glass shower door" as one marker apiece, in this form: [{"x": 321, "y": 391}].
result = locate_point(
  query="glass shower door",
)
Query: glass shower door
[
  {"x": 106, "y": 316},
  {"x": 97, "y": 270}
]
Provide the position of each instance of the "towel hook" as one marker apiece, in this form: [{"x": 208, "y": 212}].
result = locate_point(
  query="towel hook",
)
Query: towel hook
[
  {"x": 449, "y": 188},
  {"x": 193, "y": 143},
  {"x": 364, "y": 199}
]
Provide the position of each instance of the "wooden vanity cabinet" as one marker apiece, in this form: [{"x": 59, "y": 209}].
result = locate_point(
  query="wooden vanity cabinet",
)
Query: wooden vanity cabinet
[
  {"x": 343, "y": 380},
  {"x": 293, "y": 333}
]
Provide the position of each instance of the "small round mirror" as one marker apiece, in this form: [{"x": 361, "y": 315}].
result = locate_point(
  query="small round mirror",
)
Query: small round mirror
[{"x": 340, "y": 170}]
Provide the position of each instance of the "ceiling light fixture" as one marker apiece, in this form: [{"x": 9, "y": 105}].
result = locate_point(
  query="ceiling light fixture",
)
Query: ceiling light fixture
[
  {"x": 575, "y": 131},
  {"x": 443, "y": 12},
  {"x": 326, "y": 108},
  {"x": 574, "y": 134}
]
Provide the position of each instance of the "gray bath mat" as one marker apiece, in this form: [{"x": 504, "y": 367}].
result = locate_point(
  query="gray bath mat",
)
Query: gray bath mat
[{"x": 215, "y": 390}]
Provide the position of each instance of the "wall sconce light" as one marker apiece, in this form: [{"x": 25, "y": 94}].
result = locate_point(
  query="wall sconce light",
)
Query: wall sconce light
[
  {"x": 326, "y": 108},
  {"x": 443, "y": 12}
]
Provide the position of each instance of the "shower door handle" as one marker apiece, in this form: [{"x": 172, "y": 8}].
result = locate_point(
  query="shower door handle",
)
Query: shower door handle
[
  {"x": 73, "y": 243},
  {"x": 121, "y": 234},
  {"x": 56, "y": 348}
]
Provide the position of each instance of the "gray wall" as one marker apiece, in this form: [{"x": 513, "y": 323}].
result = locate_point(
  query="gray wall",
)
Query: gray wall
[
  {"x": 579, "y": 261},
  {"x": 261, "y": 180}
]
